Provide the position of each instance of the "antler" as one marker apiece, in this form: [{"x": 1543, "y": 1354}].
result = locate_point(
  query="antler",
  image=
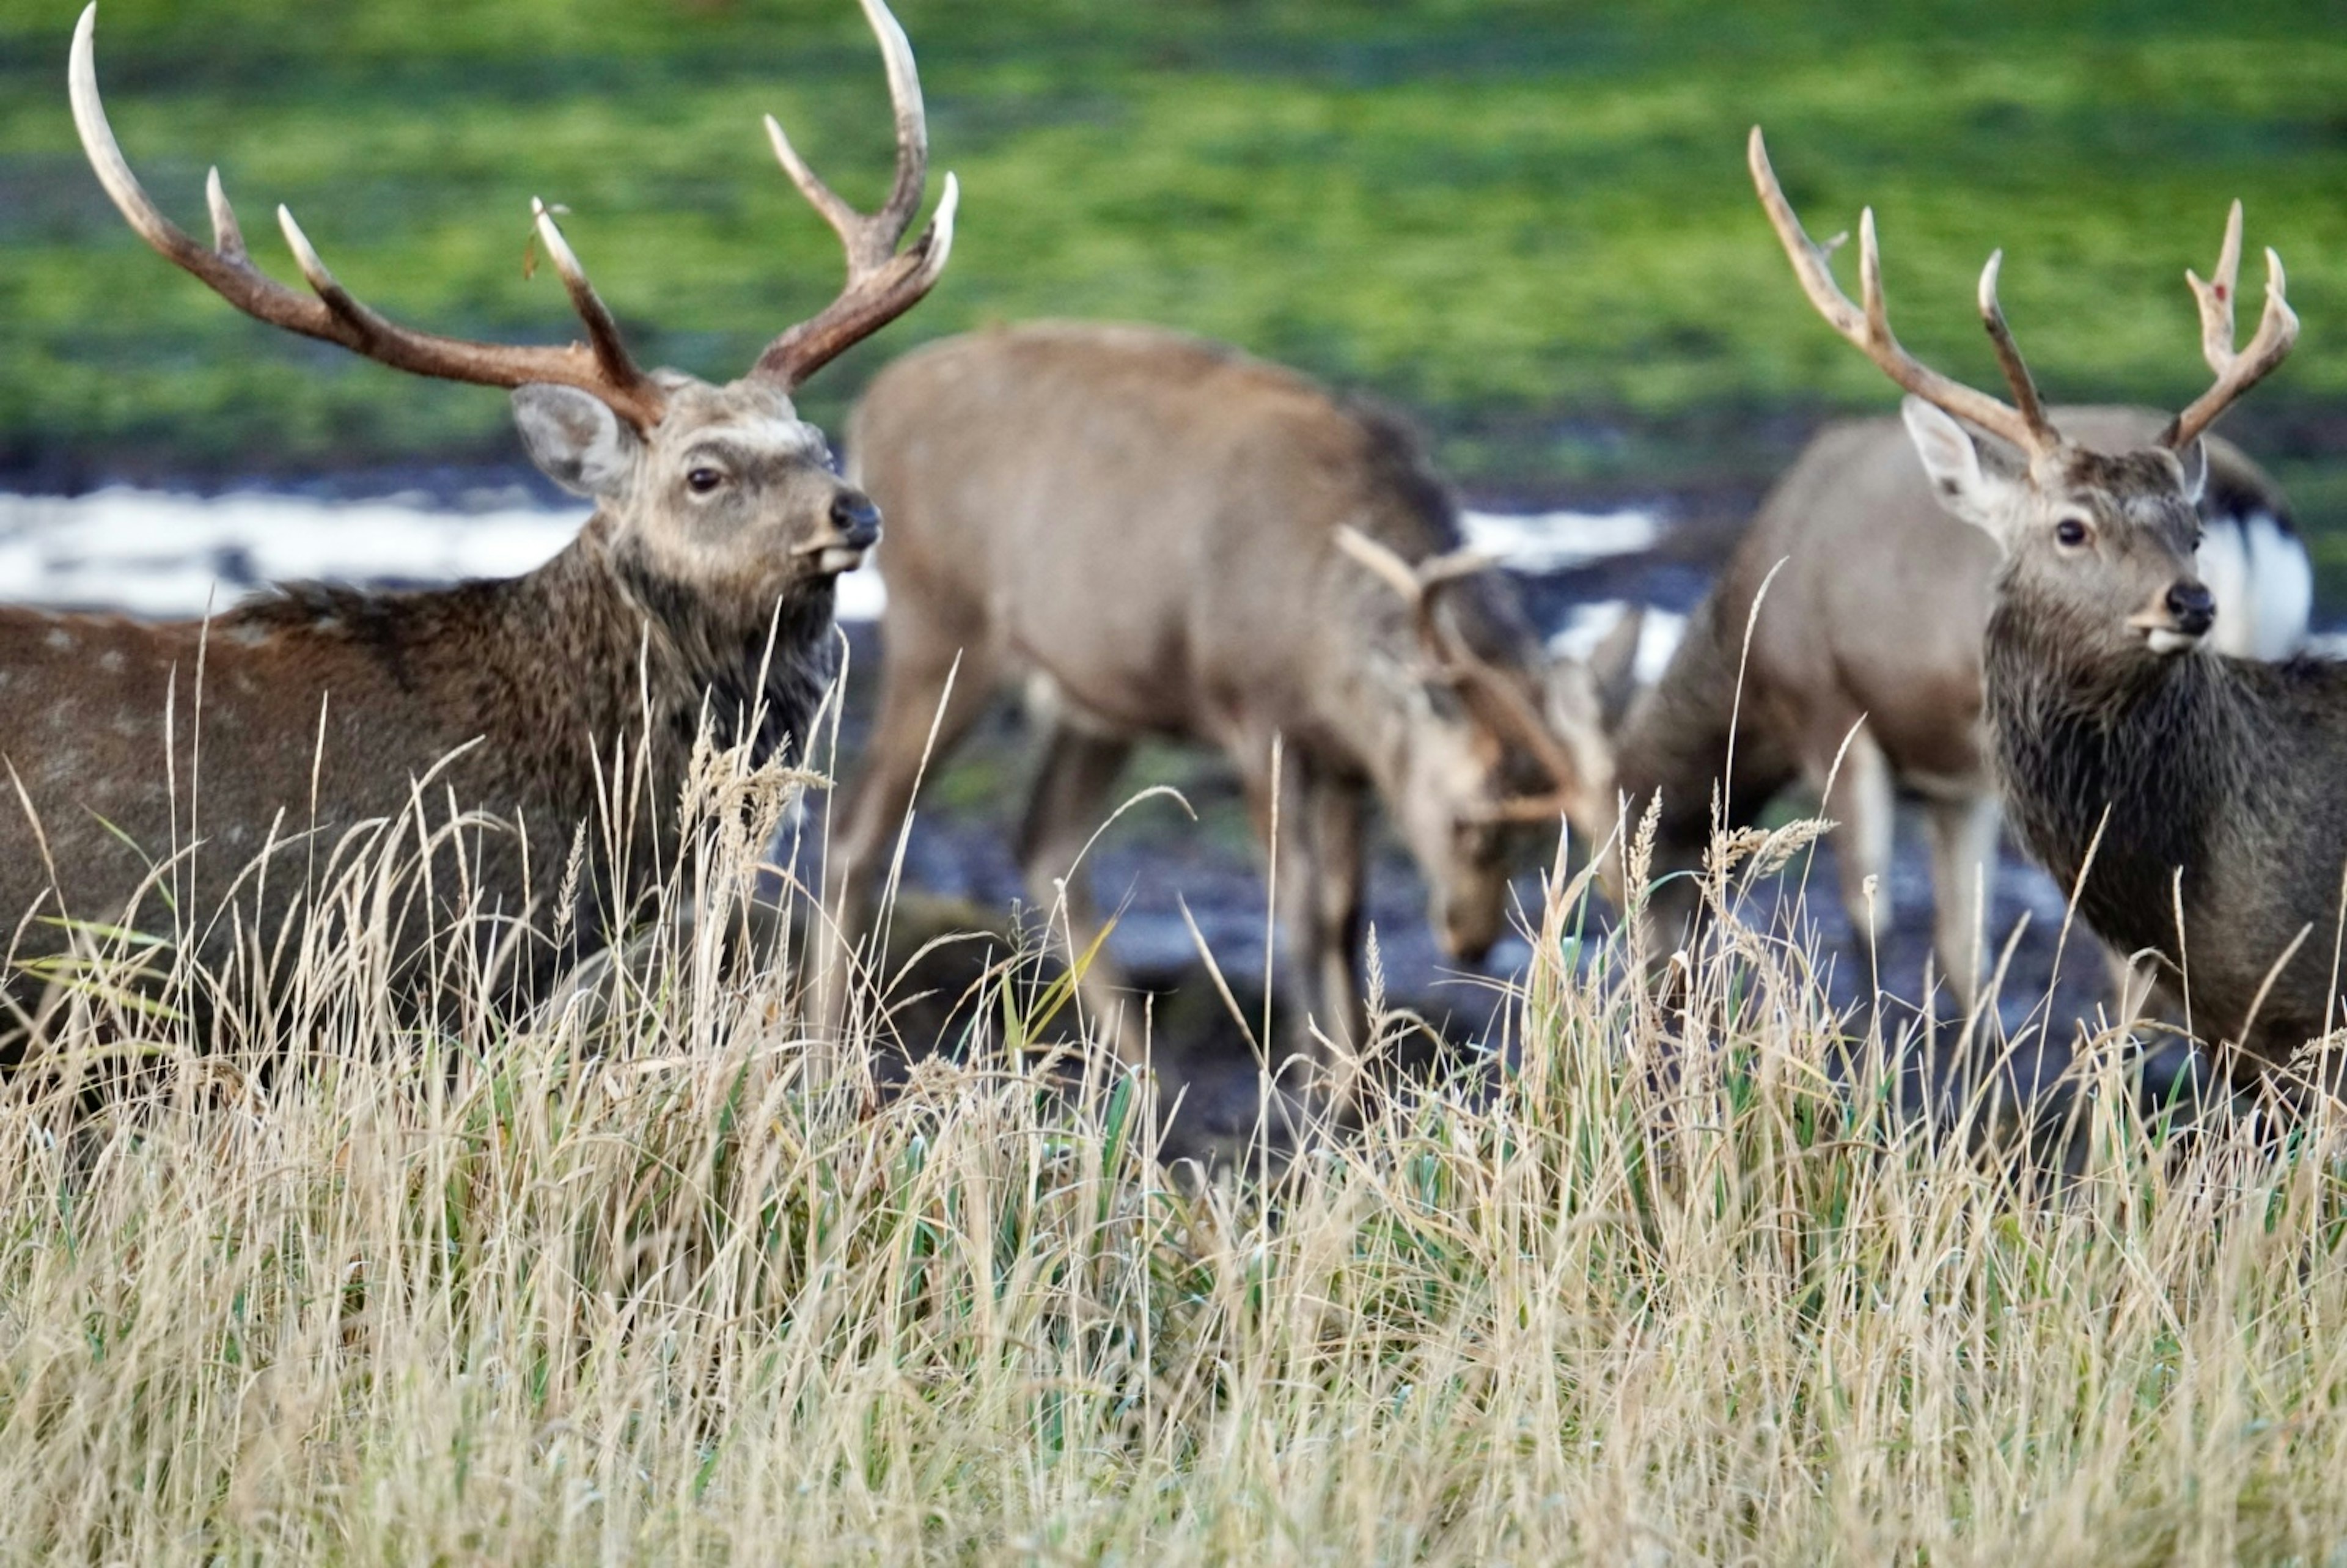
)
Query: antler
[
  {"x": 602, "y": 368},
  {"x": 1493, "y": 700},
  {"x": 882, "y": 284},
  {"x": 2236, "y": 372},
  {"x": 1870, "y": 328}
]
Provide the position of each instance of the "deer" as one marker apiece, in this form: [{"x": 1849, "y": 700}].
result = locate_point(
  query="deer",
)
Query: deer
[
  {"x": 1155, "y": 534},
  {"x": 696, "y": 600},
  {"x": 1840, "y": 651},
  {"x": 2189, "y": 799}
]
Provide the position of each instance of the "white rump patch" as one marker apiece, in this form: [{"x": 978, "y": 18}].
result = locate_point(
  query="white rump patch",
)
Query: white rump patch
[{"x": 2263, "y": 583}]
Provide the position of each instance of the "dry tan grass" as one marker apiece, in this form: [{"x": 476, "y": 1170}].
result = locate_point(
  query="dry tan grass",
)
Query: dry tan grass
[{"x": 646, "y": 1281}]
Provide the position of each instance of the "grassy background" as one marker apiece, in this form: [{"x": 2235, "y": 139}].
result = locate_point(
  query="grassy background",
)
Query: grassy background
[{"x": 1529, "y": 222}]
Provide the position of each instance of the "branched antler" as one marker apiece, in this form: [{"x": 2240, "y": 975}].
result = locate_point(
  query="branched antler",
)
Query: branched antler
[
  {"x": 1869, "y": 328},
  {"x": 329, "y": 312},
  {"x": 2236, "y": 372},
  {"x": 882, "y": 282},
  {"x": 1489, "y": 695}
]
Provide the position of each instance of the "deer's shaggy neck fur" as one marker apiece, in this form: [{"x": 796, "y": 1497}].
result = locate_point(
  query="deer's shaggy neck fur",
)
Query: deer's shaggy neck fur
[
  {"x": 2214, "y": 785},
  {"x": 643, "y": 661}
]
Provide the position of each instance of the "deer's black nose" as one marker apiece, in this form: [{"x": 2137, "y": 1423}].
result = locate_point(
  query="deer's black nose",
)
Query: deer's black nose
[
  {"x": 857, "y": 519},
  {"x": 2193, "y": 606}
]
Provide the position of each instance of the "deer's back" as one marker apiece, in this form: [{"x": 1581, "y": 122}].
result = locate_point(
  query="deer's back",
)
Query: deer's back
[
  {"x": 1146, "y": 517},
  {"x": 1877, "y": 607},
  {"x": 129, "y": 741}
]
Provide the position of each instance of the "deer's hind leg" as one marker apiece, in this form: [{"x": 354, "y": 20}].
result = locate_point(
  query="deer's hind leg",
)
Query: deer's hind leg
[
  {"x": 931, "y": 692},
  {"x": 1063, "y": 811}
]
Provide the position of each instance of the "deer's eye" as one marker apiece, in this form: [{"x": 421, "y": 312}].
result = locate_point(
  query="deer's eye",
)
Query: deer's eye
[
  {"x": 2072, "y": 532},
  {"x": 702, "y": 481}
]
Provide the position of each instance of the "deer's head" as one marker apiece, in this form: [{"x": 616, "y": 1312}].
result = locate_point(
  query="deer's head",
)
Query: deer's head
[
  {"x": 2099, "y": 548},
  {"x": 721, "y": 493},
  {"x": 1488, "y": 751}
]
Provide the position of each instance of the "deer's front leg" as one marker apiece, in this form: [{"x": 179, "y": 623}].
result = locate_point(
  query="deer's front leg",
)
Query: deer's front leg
[{"x": 1313, "y": 855}]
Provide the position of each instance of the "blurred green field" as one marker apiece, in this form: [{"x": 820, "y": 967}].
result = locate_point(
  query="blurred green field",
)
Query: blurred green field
[{"x": 1529, "y": 223}]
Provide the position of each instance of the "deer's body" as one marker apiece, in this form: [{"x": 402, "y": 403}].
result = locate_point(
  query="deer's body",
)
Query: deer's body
[
  {"x": 1863, "y": 666},
  {"x": 2222, "y": 779},
  {"x": 310, "y": 710},
  {"x": 245, "y": 755},
  {"x": 1143, "y": 530}
]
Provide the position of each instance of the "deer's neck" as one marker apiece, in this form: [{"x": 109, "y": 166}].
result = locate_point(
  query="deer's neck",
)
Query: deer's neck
[
  {"x": 593, "y": 658},
  {"x": 2132, "y": 763},
  {"x": 663, "y": 657}
]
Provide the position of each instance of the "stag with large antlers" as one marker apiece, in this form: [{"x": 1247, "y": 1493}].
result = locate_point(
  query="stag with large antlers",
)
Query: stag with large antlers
[
  {"x": 1158, "y": 536},
  {"x": 1839, "y": 652},
  {"x": 2192, "y": 799},
  {"x": 158, "y": 763}
]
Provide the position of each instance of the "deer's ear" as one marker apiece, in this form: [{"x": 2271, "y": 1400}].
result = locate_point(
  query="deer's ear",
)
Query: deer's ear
[
  {"x": 576, "y": 440},
  {"x": 1977, "y": 491},
  {"x": 2195, "y": 461}
]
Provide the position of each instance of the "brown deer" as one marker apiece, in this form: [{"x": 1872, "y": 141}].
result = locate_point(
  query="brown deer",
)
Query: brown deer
[
  {"x": 2191, "y": 799},
  {"x": 1861, "y": 669},
  {"x": 1160, "y": 535},
  {"x": 700, "y": 591}
]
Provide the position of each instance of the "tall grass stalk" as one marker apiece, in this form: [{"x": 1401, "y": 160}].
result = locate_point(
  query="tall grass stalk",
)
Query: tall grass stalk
[{"x": 641, "y": 1278}]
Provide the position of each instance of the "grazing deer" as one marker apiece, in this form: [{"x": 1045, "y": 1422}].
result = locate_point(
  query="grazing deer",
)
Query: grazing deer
[
  {"x": 699, "y": 590},
  {"x": 1159, "y": 535},
  {"x": 2192, "y": 799},
  {"x": 1861, "y": 668}
]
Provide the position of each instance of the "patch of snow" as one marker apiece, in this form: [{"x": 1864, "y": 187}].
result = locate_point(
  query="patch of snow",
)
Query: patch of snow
[
  {"x": 1658, "y": 636},
  {"x": 863, "y": 595},
  {"x": 1558, "y": 541},
  {"x": 157, "y": 554}
]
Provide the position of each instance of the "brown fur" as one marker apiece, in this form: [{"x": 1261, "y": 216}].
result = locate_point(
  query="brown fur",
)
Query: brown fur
[
  {"x": 309, "y": 710},
  {"x": 2206, "y": 787},
  {"x": 1142, "y": 527},
  {"x": 1871, "y": 627}
]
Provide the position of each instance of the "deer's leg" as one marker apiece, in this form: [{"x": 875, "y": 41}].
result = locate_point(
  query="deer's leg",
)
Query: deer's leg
[
  {"x": 1062, "y": 814},
  {"x": 1328, "y": 917},
  {"x": 1963, "y": 876},
  {"x": 1861, "y": 801},
  {"x": 1313, "y": 846},
  {"x": 921, "y": 690}
]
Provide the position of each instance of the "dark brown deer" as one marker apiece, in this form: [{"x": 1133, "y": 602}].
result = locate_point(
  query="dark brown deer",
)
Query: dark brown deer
[
  {"x": 1159, "y": 535},
  {"x": 1861, "y": 669},
  {"x": 700, "y": 591},
  {"x": 2193, "y": 800}
]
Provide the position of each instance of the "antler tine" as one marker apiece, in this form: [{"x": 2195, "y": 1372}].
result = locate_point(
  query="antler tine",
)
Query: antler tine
[
  {"x": 226, "y": 238},
  {"x": 2215, "y": 297},
  {"x": 1487, "y": 693},
  {"x": 2008, "y": 352},
  {"x": 2236, "y": 372},
  {"x": 333, "y": 314},
  {"x": 883, "y": 283},
  {"x": 602, "y": 330},
  {"x": 1870, "y": 328}
]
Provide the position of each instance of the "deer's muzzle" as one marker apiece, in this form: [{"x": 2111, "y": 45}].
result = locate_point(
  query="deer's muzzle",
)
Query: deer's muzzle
[{"x": 2179, "y": 620}]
